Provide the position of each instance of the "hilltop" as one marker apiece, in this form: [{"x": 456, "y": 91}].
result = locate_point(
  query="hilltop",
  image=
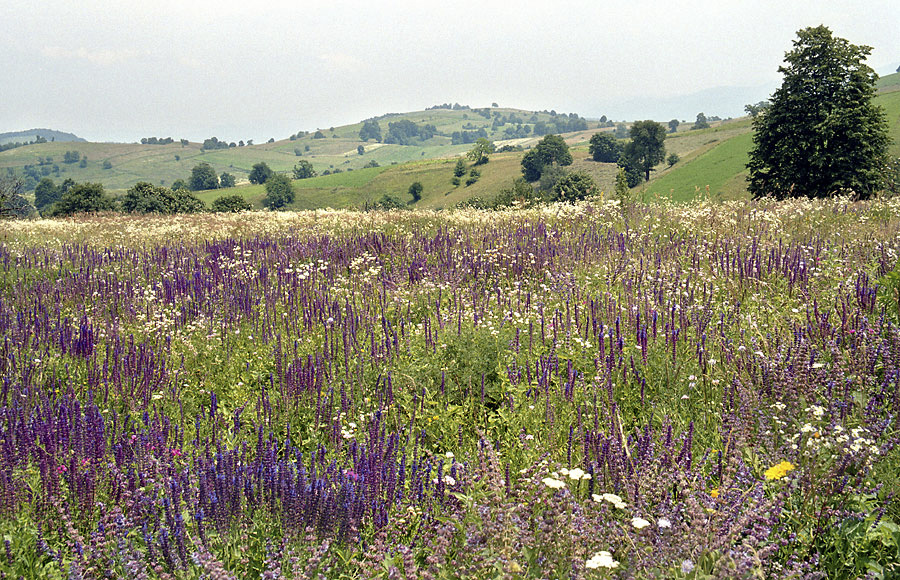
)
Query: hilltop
[{"x": 36, "y": 134}]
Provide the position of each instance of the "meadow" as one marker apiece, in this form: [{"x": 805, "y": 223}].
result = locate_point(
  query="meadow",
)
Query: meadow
[{"x": 669, "y": 390}]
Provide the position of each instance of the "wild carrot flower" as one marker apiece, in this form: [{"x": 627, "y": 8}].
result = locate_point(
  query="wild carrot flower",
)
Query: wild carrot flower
[
  {"x": 602, "y": 559},
  {"x": 779, "y": 471},
  {"x": 639, "y": 523},
  {"x": 553, "y": 483}
]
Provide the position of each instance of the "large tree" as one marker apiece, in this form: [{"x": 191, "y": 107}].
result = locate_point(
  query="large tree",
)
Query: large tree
[
  {"x": 647, "y": 147},
  {"x": 551, "y": 149},
  {"x": 822, "y": 134},
  {"x": 260, "y": 172},
  {"x": 203, "y": 177},
  {"x": 480, "y": 153},
  {"x": 279, "y": 192},
  {"x": 605, "y": 147}
]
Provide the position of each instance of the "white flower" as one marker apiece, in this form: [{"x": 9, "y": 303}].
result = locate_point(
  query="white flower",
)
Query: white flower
[
  {"x": 449, "y": 481},
  {"x": 639, "y": 523},
  {"x": 553, "y": 483},
  {"x": 602, "y": 559},
  {"x": 611, "y": 498},
  {"x": 664, "y": 523},
  {"x": 576, "y": 473},
  {"x": 449, "y": 455}
]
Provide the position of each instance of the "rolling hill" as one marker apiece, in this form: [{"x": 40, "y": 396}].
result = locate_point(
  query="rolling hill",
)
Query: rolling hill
[{"x": 712, "y": 161}]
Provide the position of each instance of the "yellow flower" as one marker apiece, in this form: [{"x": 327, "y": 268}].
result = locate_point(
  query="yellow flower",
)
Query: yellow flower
[
  {"x": 714, "y": 493},
  {"x": 779, "y": 471}
]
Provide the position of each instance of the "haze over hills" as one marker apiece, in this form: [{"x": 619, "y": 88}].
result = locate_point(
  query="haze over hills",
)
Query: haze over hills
[{"x": 33, "y": 134}]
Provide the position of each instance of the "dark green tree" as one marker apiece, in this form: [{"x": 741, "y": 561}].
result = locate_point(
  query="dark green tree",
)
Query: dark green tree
[
  {"x": 304, "y": 169},
  {"x": 71, "y": 157},
  {"x": 630, "y": 171},
  {"x": 415, "y": 190},
  {"x": 460, "y": 169},
  {"x": 605, "y": 148},
  {"x": 203, "y": 177},
  {"x": 672, "y": 159},
  {"x": 822, "y": 134},
  {"x": 575, "y": 186},
  {"x": 279, "y": 192},
  {"x": 370, "y": 130},
  {"x": 83, "y": 198},
  {"x": 46, "y": 193},
  {"x": 673, "y": 125},
  {"x": 260, "y": 173},
  {"x": 231, "y": 204},
  {"x": 361, "y": 149},
  {"x": 179, "y": 184},
  {"x": 226, "y": 180},
  {"x": 551, "y": 149},
  {"x": 702, "y": 122},
  {"x": 148, "y": 198},
  {"x": 647, "y": 146}
]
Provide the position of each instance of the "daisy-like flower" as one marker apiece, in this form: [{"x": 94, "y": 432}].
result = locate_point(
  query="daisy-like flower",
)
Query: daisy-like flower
[
  {"x": 602, "y": 559},
  {"x": 639, "y": 523},
  {"x": 553, "y": 483},
  {"x": 779, "y": 471}
]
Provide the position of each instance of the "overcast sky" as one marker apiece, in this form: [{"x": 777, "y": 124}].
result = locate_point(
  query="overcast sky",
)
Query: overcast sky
[{"x": 119, "y": 71}]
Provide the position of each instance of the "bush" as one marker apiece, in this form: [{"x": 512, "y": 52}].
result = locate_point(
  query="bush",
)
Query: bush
[
  {"x": 231, "y": 204},
  {"x": 83, "y": 198},
  {"x": 303, "y": 170},
  {"x": 605, "y": 148},
  {"x": 575, "y": 186}
]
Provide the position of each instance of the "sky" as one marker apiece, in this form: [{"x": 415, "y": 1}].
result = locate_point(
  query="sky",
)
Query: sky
[{"x": 238, "y": 70}]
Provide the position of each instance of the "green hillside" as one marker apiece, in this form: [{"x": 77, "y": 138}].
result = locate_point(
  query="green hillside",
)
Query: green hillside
[{"x": 119, "y": 166}]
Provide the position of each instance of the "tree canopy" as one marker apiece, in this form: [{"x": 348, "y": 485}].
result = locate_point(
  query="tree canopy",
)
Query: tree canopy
[
  {"x": 279, "y": 192},
  {"x": 203, "y": 177},
  {"x": 260, "y": 173},
  {"x": 304, "y": 169},
  {"x": 83, "y": 198},
  {"x": 480, "y": 153},
  {"x": 551, "y": 149},
  {"x": 822, "y": 134},
  {"x": 647, "y": 146},
  {"x": 604, "y": 147}
]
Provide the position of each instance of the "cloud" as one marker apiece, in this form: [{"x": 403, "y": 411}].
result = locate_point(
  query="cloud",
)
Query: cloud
[{"x": 102, "y": 57}]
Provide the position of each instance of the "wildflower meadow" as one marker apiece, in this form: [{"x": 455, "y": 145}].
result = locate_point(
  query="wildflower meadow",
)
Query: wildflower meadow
[{"x": 593, "y": 390}]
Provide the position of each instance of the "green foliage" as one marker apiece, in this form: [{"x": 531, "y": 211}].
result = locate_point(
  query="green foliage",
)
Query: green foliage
[
  {"x": 551, "y": 175},
  {"x": 388, "y": 202},
  {"x": 575, "y": 186},
  {"x": 71, "y": 157},
  {"x": 46, "y": 193},
  {"x": 647, "y": 146},
  {"x": 260, "y": 173},
  {"x": 605, "y": 148},
  {"x": 370, "y": 130},
  {"x": 107, "y": 164},
  {"x": 226, "y": 180},
  {"x": 460, "y": 168},
  {"x": 549, "y": 150},
  {"x": 231, "y": 204},
  {"x": 279, "y": 192},
  {"x": 203, "y": 177},
  {"x": 631, "y": 171},
  {"x": 304, "y": 169},
  {"x": 474, "y": 176},
  {"x": 822, "y": 134},
  {"x": 479, "y": 154},
  {"x": 83, "y": 198},
  {"x": 521, "y": 194},
  {"x": 147, "y": 198},
  {"x": 622, "y": 186},
  {"x": 415, "y": 190},
  {"x": 370, "y": 164},
  {"x": 702, "y": 122},
  {"x": 672, "y": 159},
  {"x": 361, "y": 149},
  {"x": 756, "y": 108},
  {"x": 673, "y": 125},
  {"x": 180, "y": 184}
]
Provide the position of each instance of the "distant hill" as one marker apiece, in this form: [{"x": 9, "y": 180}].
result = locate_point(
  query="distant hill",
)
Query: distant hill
[{"x": 33, "y": 134}]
